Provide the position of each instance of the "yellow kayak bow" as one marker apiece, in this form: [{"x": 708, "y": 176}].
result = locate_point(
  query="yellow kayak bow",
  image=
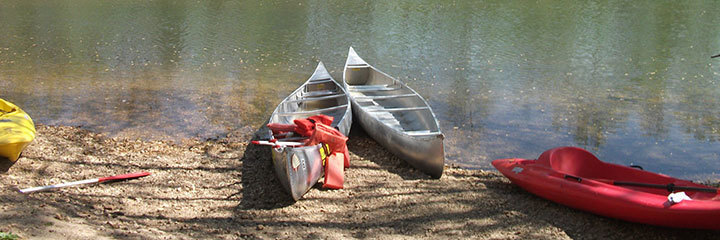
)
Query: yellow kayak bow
[{"x": 17, "y": 130}]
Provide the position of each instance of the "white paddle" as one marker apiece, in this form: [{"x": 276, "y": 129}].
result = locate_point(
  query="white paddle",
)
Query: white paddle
[
  {"x": 94, "y": 180},
  {"x": 278, "y": 143}
]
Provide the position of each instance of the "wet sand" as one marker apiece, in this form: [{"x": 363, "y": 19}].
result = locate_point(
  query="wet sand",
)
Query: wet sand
[{"x": 225, "y": 189}]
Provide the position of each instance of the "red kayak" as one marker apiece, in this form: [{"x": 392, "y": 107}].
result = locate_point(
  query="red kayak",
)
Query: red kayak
[{"x": 576, "y": 178}]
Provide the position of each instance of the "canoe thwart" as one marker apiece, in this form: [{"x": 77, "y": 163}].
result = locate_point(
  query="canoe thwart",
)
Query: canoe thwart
[
  {"x": 353, "y": 87},
  {"x": 372, "y": 88},
  {"x": 397, "y": 109}
]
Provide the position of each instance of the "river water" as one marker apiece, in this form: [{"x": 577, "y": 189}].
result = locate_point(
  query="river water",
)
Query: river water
[{"x": 631, "y": 81}]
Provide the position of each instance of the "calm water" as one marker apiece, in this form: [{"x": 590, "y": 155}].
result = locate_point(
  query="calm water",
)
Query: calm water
[{"x": 631, "y": 81}]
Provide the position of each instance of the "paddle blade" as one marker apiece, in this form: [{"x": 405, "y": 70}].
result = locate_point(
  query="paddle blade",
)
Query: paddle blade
[{"x": 124, "y": 176}]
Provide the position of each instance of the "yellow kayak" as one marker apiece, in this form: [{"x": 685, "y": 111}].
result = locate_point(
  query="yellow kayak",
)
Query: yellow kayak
[{"x": 17, "y": 130}]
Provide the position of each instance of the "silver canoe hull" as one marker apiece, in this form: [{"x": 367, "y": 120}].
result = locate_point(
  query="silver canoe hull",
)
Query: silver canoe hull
[
  {"x": 300, "y": 168},
  {"x": 394, "y": 115}
]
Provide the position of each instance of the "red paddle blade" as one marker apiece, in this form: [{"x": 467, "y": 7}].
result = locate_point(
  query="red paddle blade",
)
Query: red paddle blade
[{"x": 124, "y": 176}]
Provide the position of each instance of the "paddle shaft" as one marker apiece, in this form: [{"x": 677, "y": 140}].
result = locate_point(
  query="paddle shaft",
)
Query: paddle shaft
[
  {"x": 670, "y": 187},
  {"x": 715, "y": 56},
  {"x": 93, "y": 180},
  {"x": 277, "y": 143}
]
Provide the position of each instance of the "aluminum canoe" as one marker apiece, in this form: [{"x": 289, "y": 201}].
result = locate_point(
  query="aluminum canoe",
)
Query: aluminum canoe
[
  {"x": 299, "y": 168},
  {"x": 394, "y": 115}
]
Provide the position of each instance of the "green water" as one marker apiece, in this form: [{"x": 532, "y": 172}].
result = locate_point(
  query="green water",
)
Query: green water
[{"x": 631, "y": 81}]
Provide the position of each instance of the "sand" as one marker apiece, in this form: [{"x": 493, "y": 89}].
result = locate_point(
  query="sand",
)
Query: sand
[{"x": 226, "y": 189}]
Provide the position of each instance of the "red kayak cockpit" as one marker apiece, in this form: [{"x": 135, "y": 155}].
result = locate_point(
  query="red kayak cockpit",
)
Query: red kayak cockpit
[{"x": 579, "y": 163}]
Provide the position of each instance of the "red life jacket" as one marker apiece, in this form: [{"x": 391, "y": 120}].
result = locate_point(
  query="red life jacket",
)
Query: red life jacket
[
  {"x": 306, "y": 127},
  {"x": 279, "y": 128},
  {"x": 318, "y": 129},
  {"x": 337, "y": 161},
  {"x": 332, "y": 137}
]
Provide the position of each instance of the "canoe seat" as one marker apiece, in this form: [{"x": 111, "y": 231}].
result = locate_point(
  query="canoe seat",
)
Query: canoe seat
[
  {"x": 355, "y": 66},
  {"x": 573, "y": 161},
  {"x": 319, "y": 81},
  {"x": 314, "y": 111},
  {"x": 309, "y": 99},
  {"x": 365, "y": 97},
  {"x": 387, "y": 119},
  {"x": 318, "y": 93},
  {"x": 581, "y": 163}
]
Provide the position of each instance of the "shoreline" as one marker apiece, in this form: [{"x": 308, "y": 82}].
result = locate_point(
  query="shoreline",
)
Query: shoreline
[{"x": 226, "y": 189}]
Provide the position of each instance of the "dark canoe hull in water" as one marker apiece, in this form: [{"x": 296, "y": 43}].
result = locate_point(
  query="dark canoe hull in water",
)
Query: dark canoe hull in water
[
  {"x": 394, "y": 115},
  {"x": 299, "y": 168},
  {"x": 574, "y": 177}
]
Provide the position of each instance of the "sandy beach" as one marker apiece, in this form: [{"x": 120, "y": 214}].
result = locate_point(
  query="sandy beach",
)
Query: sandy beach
[{"x": 225, "y": 189}]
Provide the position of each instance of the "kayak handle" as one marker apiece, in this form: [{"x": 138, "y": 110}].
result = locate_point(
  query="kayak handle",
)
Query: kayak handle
[
  {"x": 636, "y": 166},
  {"x": 578, "y": 179}
]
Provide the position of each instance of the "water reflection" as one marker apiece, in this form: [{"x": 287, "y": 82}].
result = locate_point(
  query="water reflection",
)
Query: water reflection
[{"x": 631, "y": 81}]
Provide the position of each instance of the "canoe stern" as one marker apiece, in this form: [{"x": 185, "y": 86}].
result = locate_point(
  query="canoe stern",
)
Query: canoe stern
[
  {"x": 426, "y": 153},
  {"x": 297, "y": 168}
]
